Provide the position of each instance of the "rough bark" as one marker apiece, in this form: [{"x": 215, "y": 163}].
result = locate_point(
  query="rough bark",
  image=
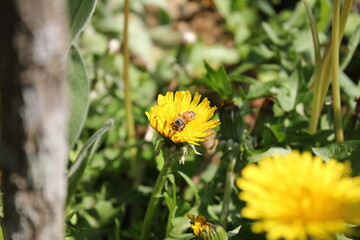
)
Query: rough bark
[{"x": 33, "y": 110}]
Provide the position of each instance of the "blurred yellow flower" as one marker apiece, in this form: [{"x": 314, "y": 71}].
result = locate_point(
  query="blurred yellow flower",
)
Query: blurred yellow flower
[
  {"x": 182, "y": 119},
  {"x": 297, "y": 196}
]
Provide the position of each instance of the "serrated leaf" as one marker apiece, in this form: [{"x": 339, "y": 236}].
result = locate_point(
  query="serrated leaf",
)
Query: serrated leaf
[
  {"x": 217, "y": 80},
  {"x": 348, "y": 150},
  {"x": 78, "y": 168},
  {"x": 80, "y": 13},
  {"x": 79, "y": 90}
]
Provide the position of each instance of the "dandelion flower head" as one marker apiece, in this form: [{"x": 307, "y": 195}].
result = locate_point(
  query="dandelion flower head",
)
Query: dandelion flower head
[
  {"x": 204, "y": 229},
  {"x": 297, "y": 196},
  {"x": 172, "y": 106}
]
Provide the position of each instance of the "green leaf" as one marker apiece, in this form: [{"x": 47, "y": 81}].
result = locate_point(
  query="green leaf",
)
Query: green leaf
[
  {"x": 78, "y": 168},
  {"x": 216, "y": 55},
  {"x": 1, "y": 234},
  {"x": 348, "y": 150},
  {"x": 351, "y": 47},
  {"x": 266, "y": 7},
  {"x": 247, "y": 234},
  {"x": 140, "y": 41},
  {"x": 224, "y": 7},
  {"x": 79, "y": 94},
  {"x": 106, "y": 212},
  {"x": 170, "y": 200},
  {"x": 354, "y": 19},
  {"x": 270, "y": 152},
  {"x": 117, "y": 229},
  {"x": 262, "y": 89},
  {"x": 233, "y": 232},
  {"x": 286, "y": 96},
  {"x": 217, "y": 80},
  {"x": 271, "y": 33},
  {"x": 322, "y": 11},
  {"x": 348, "y": 86},
  {"x": 192, "y": 186},
  {"x": 80, "y": 13},
  {"x": 70, "y": 230},
  {"x": 341, "y": 236},
  {"x": 93, "y": 42},
  {"x": 70, "y": 216}
]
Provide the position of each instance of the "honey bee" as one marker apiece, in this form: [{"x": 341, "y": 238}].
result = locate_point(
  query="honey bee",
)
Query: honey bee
[{"x": 180, "y": 122}]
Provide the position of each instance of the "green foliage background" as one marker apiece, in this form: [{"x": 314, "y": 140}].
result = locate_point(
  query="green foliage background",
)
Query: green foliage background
[{"x": 258, "y": 53}]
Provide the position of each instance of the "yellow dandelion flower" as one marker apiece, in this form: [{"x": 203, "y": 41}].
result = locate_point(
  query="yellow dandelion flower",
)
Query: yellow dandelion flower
[
  {"x": 188, "y": 129},
  {"x": 297, "y": 196},
  {"x": 204, "y": 229}
]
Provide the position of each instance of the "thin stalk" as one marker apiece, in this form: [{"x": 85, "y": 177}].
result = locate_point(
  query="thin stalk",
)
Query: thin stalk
[
  {"x": 335, "y": 72},
  {"x": 127, "y": 92},
  {"x": 317, "y": 70},
  {"x": 326, "y": 63},
  {"x": 229, "y": 184},
  {"x": 156, "y": 194}
]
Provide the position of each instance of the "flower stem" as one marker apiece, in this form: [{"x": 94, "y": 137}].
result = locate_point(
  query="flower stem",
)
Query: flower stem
[
  {"x": 229, "y": 184},
  {"x": 127, "y": 94},
  {"x": 335, "y": 72},
  {"x": 316, "y": 106},
  {"x": 169, "y": 160},
  {"x": 327, "y": 56},
  {"x": 325, "y": 78}
]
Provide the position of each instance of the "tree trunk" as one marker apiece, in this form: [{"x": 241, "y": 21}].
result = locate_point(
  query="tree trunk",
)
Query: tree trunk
[{"x": 33, "y": 110}]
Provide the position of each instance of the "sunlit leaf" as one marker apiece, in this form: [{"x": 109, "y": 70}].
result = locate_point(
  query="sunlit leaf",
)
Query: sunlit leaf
[
  {"x": 234, "y": 232},
  {"x": 322, "y": 12},
  {"x": 349, "y": 87},
  {"x": 217, "y": 80},
  {"x": 215, "y": 56},
  {"x": 106, "y": 211},
  {"x": 80, "y": 13},
  {"x": 79, "y": 90},
  {"x": 270, "y": 152},
  {"x": 345, "y": 151},
  {"x": 271, "y": 33},
  {"x": 78, "y": 168},
  {"x": 286, "y": 95}
]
